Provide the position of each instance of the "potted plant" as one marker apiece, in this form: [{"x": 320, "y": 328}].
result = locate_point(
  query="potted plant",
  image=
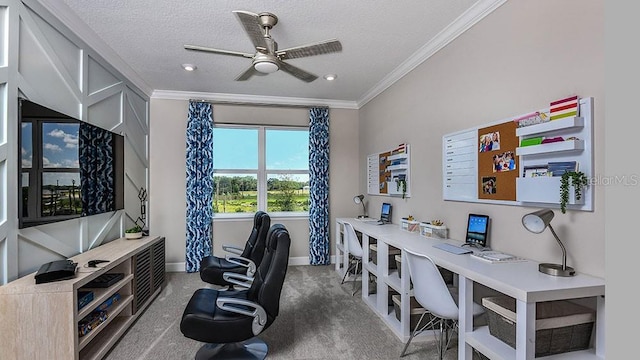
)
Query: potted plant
[
  {"x": 576, "y": 179},
  {"x": 401, "y": 185},
  {"x": 133, "y": 233}
]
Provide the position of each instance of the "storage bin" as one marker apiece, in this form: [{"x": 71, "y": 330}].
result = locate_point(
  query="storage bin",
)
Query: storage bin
[
  {"x": 373, "y": 255},
  {"x": 561, "y": 326},
  {"x": 398, "y": 261},
  {"x": 373, "y": 289},
  {"x": 416, "y": 311},
  {"x": 435, "y": 231},
  {"x": 410, "y": 225}
]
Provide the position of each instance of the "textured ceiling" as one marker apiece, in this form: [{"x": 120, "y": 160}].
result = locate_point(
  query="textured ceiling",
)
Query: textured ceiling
[{"x": 377, "y": 37}]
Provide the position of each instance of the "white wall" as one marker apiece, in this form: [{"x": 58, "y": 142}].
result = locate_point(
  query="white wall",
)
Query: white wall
[
  {"x": 168, "y": 182},
  {"x": 517, "y": 59},
  {"x": 48, "y": 64}
]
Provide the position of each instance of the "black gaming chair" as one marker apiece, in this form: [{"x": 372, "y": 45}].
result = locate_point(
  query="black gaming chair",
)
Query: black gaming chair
[
  {"x": 245, "y": 262},
  {"x": 229, "y": 321}
]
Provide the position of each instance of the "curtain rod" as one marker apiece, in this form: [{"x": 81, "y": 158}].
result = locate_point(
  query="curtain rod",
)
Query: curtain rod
[{"x": 240, "y": 103}]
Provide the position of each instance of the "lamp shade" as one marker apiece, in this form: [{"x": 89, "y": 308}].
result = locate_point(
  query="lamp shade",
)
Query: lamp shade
[
  {"x": 537, "y": 221},
  {"x": 358, "y": 199}
]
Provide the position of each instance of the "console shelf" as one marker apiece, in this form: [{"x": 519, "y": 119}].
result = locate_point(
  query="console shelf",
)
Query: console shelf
[{"x": 45, "y": 319}]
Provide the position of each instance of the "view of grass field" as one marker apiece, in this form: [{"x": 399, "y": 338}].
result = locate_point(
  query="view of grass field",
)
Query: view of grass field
[{"x": 247, "y": 201}]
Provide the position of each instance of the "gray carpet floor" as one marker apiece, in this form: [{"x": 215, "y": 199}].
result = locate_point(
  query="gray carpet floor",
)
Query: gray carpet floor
[{"x": 319, "y": 319}]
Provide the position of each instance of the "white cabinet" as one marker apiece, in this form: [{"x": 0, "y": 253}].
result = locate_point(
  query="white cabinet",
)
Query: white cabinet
[{"x": 546, "y": 190}]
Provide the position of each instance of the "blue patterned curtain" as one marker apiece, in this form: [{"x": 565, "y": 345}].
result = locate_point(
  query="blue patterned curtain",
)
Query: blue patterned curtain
[
  {"x": 319, "y": 252},
  {"x": 95, "y": 156},
  {"x": 199, "y": 184}
]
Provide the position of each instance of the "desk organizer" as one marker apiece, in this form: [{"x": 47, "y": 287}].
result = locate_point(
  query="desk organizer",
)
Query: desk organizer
[
  {"x": 434, "y": 231},
  {"x": 410, "y": 225},
  {"x": 561, "y": 326}
]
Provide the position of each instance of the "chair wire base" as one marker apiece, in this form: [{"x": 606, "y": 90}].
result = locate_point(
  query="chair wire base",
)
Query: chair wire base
[
  {"x": 354, "y": 264},
  {"x": 443, "y": 336},
  {"x": 252, "y": 349}
]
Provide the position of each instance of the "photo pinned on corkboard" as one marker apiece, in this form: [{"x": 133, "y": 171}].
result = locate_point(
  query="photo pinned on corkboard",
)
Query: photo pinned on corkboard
[
  {"x": 490, "y": 141},
  {"x": 505, "y": 161},
  {"x": 489, "y": 185}
]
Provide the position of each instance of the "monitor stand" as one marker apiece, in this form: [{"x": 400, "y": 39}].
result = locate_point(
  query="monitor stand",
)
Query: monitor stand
[{"x": 481, "y": 248}]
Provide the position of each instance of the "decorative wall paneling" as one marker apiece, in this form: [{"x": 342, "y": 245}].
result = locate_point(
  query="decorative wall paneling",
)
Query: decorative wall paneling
[{"x": 42, "y": 60}]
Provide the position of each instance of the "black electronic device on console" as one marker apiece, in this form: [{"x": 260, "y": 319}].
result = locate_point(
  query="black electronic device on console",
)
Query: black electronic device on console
[
  {"x": 477, "y": 230},
  {"x": 105, "y": 280},
  {"x": 93, "y": 263},
  {"x": 56, "y": 271}
]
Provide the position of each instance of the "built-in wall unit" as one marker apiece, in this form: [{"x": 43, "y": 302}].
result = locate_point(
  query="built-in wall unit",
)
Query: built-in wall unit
[{"x": 45, "y": 62}]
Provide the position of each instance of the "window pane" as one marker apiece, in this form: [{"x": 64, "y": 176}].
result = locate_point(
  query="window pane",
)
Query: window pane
[
  {"x": 60, "y": 145},
  {"x": 235, "y": 148},
  {"x": 287, "y": 193},
  {"x": 287, "y": 149},
  {"x": 27, "y": 145},
  {"x": 235, "y": 193},
  {"x": 25, "y": 195},
  {"x": 61, "y": 193}
]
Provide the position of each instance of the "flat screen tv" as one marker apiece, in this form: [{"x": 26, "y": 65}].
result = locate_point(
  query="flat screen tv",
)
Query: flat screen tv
[{"x": 67, "y": 168}]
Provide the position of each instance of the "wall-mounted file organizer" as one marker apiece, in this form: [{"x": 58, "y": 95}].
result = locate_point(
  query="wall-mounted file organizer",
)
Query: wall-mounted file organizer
[{"x": 388, "y": 172}]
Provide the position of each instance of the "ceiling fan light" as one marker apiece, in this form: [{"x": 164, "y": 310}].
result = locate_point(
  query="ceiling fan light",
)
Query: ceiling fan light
[
  {"x": 266, "y": 67},
  {"x": 330, "y": 77}
]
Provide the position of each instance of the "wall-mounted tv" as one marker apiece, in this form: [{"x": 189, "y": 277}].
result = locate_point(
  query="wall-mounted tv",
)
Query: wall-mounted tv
[{"x": 67, "y": 168}]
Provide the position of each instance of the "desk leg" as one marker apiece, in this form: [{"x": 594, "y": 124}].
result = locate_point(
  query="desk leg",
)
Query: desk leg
[
  {"x": 465, "y": 316},
  {"x": 525, "y": 330},
  {"x": 600, "y": 327}
]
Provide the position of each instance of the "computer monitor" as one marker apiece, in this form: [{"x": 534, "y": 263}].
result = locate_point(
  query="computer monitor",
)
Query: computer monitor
[
  {"x": 385, "y": 213},
  {"x": 477, "y": 230}
]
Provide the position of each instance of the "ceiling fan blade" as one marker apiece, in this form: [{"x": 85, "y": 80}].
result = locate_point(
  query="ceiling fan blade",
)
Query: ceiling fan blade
[
  {"x": 322, "y": 47},
  {"x": 295, "y": 71},
  {"x": 251, "y": 24},
  {"x": 247, "y": 74},
  {"x": 217, "y": 51}
]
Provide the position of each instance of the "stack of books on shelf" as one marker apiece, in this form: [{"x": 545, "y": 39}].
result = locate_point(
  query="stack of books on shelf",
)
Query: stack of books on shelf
[{"x": 563, "y": 108}]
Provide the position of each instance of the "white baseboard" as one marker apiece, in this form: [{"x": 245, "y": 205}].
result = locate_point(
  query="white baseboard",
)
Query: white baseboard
[{"x": 293, "y": 261}]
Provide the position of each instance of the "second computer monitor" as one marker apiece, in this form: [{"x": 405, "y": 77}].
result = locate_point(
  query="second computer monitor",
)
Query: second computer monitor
[
  {"x": 385, "y": 213},
  {"x": 477, "y": 230}
]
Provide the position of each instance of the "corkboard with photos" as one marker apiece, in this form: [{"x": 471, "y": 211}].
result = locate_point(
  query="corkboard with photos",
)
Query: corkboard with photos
[{"x": 497, "y": 162}]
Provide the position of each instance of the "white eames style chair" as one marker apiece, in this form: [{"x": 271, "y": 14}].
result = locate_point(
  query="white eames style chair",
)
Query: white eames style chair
[
  {"x": 355, "y": 254},
  {"x": 438, "y": 300}
]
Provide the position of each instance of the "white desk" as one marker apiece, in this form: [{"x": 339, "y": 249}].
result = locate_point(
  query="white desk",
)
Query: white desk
[{"x": 520, "y": 280}]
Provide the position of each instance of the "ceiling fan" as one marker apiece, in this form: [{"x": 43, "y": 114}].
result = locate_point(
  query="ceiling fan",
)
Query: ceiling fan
[{"x": 268, "y": 58}]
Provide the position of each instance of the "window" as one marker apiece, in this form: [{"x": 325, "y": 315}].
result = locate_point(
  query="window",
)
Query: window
[
  {"x": 52, "y": 170},
  {"x": 260, "y": 168}
]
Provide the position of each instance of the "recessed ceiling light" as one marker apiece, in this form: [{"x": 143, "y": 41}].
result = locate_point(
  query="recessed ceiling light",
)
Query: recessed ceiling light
[
  {"x": 330, "y": 77},
  {"x": 189, "y": 67}
]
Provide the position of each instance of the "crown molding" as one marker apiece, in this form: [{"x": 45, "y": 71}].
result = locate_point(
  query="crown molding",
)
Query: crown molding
[
  {"x": 252, "y": 99},
  {"x": 469, "y": 18},
  {"x": 80, "y": 29}
]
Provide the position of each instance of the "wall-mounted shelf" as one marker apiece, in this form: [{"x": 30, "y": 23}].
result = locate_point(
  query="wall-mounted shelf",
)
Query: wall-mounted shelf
[
  {"x": 555, "y": 147},
  {"x": 555, "y": 125},
  {"x": 545, "y": 190},
  {"x": 386, "y": 169}
]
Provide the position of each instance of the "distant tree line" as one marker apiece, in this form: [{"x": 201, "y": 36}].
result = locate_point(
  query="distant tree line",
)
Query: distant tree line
[{"x": 236, "y": 184}]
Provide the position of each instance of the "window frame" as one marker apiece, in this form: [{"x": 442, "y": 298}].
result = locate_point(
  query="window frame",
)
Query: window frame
[{"x": 261, "y": 172}]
